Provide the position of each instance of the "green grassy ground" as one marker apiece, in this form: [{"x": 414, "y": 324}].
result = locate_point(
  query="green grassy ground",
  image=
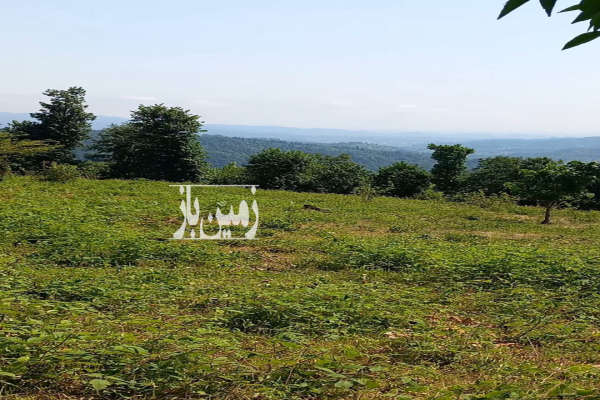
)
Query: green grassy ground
[{"x": 399, "y": 299}]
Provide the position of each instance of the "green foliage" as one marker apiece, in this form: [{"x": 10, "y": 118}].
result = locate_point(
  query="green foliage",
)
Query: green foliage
[
  {"x": 589, "y": 10},
  {"x": 222, "y": 150},
  {"x": 430, "y": 194},
  {"x": 338, "y": 174},
  {"x": 298, "y": 171},
  {"x": 17, "y": 152},
  {"x": 60, "y": 173},
  {"x": 277, "y": 169},
  {"x": 94, "y": 170},
  {"x": 501, "y": 201},
  {"x": 552, "y": 185},
  {"x": 63, "y": 119},
  {"x": 449, "y": 170},
  {"x": 158, "y": 143},
  {"x": 393, "y": 300},
  {"x": 402, "y": 180},
  {"x": 366, "y": 191},
  {"x": 230, "y": 174},
  {"x": 492, "y": 174}
]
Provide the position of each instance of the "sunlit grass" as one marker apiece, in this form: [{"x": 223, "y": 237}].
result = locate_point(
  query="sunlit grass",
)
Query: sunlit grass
[{"x": 384, "y": 299}]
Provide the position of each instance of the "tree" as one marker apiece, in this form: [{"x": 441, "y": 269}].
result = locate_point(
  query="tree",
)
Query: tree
[
  {"x": 15, "y": 150},
  {"x": 450, "y": 166},
  {"x": 402, "y": 180},
  {"x": 492, "y": 174},
  {"x": 158, "y": 143},
  {"x": 276, "y": 169},
  {"x": 592, "y": 200},
  {"x": 337, "y": 174},
  {"x": 552, "y": 185},
  {"x": 63, "y": 119},
  {"x": 589, "y": 10}
]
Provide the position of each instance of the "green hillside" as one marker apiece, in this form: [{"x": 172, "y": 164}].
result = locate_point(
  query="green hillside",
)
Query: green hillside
[
  {"x": 222, "y": 150},
  {"x": 390, "y": 299}
]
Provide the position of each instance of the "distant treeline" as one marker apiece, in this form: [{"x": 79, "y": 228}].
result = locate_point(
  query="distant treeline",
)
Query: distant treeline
[
  {"x": 161, "y": 143},
  {"x": 222, "y": 150}
]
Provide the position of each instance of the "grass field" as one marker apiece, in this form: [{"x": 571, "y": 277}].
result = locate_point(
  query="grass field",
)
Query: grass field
[{"x": 398, "y": 299}]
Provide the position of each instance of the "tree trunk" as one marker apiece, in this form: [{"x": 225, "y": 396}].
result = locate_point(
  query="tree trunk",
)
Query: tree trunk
[{"x": 547, "y": 220}]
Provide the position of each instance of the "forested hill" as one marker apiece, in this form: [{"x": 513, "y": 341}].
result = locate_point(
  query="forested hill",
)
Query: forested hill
[{"x": 222, "y": 150}]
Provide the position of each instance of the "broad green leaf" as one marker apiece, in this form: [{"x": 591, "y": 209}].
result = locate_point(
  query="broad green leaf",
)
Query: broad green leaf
[
  {"x": 99, "y": 384},
  {"x": 548, "y": 5},
  {"x": 343, "y": 384},
  {"x": 581, "y": 39},
  {"x": 510, "y": 6}
]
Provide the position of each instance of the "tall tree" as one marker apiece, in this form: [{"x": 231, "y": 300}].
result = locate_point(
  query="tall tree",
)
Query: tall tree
[
  {"x": 450, "y": 166},
  {"x": 64, "y": 119},
  {"x": 158, "y": 142},
  {"x": 589, "y": 10}
]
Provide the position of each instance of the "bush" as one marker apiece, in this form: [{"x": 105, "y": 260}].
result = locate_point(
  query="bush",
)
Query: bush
[
  {"x": 60, "y": 173},
  {"x": 339, "y": 174},
  {"x": 298, "y": 171},
  {"x": 430, "y": 194},
  {"x": 94, "y": 170},
  {"x": 366, "y": 191},
  {"x": 4, "y": 168},
  {"x": 277, "y": 169},
  {"x": 231, "y": 174},
  {"x": 479, "y": 199},
  {"x": 402, "y": 180}
]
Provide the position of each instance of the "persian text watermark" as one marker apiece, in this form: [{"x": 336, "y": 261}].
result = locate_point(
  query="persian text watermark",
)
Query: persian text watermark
[{"x": 196, "y": 227}]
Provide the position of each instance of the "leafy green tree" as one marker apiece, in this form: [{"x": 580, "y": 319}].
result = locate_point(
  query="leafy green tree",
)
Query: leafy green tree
[
  {"x": 492, "y": 174},
  {"x": 554, "y": 184},
  {"x": 330, "y": 174},
  {"x": 158, "y": 143},
  {"x": 589, "y": 10},
  {"x": 402, "y": 180},
  {"x": 63, "y": 120},
  {"x": 277, "y": 169},
  {"x": 298, "y": 171},
  {"x": 450, "y": 166},
  {"x": 536, "y": 163}
]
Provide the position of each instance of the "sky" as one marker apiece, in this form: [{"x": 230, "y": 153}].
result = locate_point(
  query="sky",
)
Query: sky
[{"x": 386, "y": 65}]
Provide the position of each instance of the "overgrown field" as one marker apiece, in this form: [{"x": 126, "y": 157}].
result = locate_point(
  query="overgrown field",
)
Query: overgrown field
[{"x": 399, "y": 299}]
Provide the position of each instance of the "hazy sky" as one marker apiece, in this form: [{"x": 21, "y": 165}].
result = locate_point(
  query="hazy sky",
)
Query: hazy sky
[{"x": 402, "y": 65}]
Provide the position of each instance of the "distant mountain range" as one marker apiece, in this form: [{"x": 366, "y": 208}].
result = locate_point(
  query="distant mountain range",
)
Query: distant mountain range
[
  {"x": 235, "y": 143},
  {"x": 101, "y": 122}
]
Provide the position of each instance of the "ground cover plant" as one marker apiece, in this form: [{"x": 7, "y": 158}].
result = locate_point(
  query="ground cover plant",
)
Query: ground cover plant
[{"x": 388, "y": 298}]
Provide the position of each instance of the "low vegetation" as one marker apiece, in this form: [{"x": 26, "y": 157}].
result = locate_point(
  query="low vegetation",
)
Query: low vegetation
[{"x": 391, "y": 298}]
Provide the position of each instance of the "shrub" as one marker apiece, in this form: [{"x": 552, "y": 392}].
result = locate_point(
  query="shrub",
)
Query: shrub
[
  {"x": 402, "y": 180},
  {"x": 430, "y": 194},
  {"x": 333, "y": 175},
  {"x": 277, "y": 169},
  {"x": 366, "y": 191},
  {"x": 231, "y": 174},
  {"x": 479, "y": 199},
  {"x": 60, "y": 173},
  {"x": 94, "y": 170}
]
